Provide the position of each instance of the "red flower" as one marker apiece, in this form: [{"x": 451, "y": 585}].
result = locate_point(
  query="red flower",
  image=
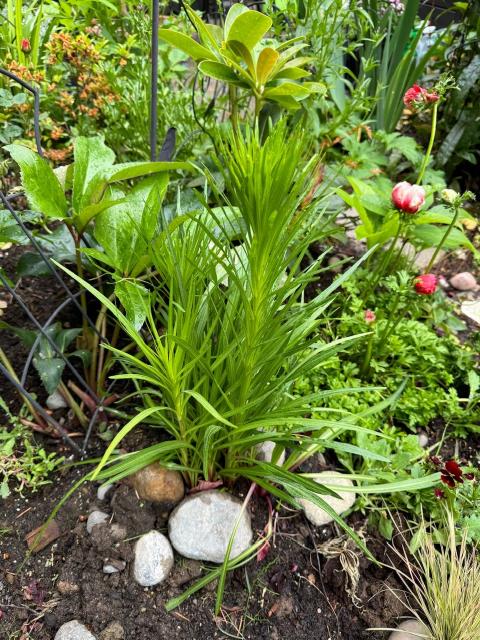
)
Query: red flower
[
  {"x": 426, "y": 284},
  {"x": 369, "y": 316},
  {"x": 25, "y": 45},
  {"x": 408, "y": 197},
  {"x": 439, "y": 494},
  {"x": 417, "y": 95},
  {"x": 451, "y": 474}
]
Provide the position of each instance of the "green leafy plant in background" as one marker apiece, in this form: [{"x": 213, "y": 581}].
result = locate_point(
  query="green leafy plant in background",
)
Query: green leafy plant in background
[
  {"x": 237, "y": 55},
  {"x": 24, "y": 465},
  {"x": 87, "y": 198}
]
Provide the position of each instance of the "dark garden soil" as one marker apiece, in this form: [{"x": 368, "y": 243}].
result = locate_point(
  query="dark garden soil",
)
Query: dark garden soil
[{"x": 296, "y": 592}]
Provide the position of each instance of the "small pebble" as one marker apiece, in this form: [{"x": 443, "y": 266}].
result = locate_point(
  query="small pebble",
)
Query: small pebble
[
  {"x": 56, "y": 401},
  {"x": 74, "y": 630},
  {"x": 411, "y": 629},
  {"x": 464, "y": 281},
  {"x": 114, "y": 566},
  {"x": 114, "y": 631},
  {"x": 96, "y": 517},
  {"x": 153, "y": 559},
  {"x": 103, "y": 490},
  {"x": 422, "y": 440}
]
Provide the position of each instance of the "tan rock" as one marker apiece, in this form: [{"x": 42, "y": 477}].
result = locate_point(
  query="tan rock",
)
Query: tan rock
[
  {"x": 464, "y": 281},
  {"x": 157, "y": 484}
]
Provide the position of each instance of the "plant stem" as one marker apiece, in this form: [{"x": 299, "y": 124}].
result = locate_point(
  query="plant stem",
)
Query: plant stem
[
  {"x": 232, "y": 92},
  {"x": 368, "y": 357},
  {"x": 430, "y": 144},
  {"x": 385, "y": 261},
  {"x": 443, "y": 240}
]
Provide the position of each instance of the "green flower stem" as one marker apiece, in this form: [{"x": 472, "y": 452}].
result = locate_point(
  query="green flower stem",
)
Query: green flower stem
[
  {"x": 364, "y": 369},
  {"x": 430, "y": 144},
  {"x": 444, "y": 239},
  {"x": 385, "y": 261},
  {"x": 392, "y": 321}
]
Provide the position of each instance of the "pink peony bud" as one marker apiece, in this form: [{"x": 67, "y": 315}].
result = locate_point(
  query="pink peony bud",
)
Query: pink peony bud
[
  {"x": 426, "y": 284},
  {"x": 408, "y": 197},
  {"x": 369, "y": 316},
  {"x": 25, "y": 45},
  {"x": 417, "y": 95}
]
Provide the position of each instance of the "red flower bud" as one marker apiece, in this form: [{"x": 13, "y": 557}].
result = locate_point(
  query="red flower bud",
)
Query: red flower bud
[
  {"x": 469, "y": 476},
  {"x": 426, "y": 284},
  {"x": 25, "y": 45},
  {"x": 369, "y": 316},
  {"x": 439, "y": 494},
  {"x": 417, "y": 95},
  {"x": 408, "y": 197}
]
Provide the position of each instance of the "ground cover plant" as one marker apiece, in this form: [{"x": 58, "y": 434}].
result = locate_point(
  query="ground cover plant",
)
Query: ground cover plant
[{"x": 264, "y": 374}]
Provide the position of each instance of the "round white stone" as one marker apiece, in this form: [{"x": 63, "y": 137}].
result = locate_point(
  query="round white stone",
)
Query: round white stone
[
  {"x": 56, "y": 401},
  {"x": 265, "y": 452},
  {"x": 96, "y": 517},
  {"x": 153, "y": 559},
  {"x": 74, "y": 630},
  {"x": 103, "y": 490},
  {"x": 201, "y": 525},
  {"x": 423, "y": 440},
  {"x": 317, "y": 515},
  {"x": 411, "y": 629}
]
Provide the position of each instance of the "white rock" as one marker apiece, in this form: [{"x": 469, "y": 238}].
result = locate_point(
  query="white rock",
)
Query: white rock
[
  {"x": 411, "y": 629},
  {"x": 74, "y": 630},
  {"x": 201, "y": 525},
  {"x": 265, "y": 452},
  {"x": 318, "y": 516},
  {"x": 96, "y": 517},
  {"x": 471, "y": 309},
  {"x": 56, "y": 401},
  {"x": 153, "y": 559},
  {"x": 103, "y": 490},
  {"x": 115, "y": 566},
  {"x": 464, "y": 281},
  {"x": 422, "y": 440}
]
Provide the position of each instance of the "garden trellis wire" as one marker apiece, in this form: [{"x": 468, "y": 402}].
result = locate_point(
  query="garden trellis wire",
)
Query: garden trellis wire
[
  {"x": 215, "y": 12},
  {"x": 72, "y": 298}
]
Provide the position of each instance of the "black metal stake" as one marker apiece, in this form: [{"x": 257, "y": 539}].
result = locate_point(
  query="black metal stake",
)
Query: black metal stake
[
  {"x": 47, "y": 417},
  {"x": 154, "y": 81}
]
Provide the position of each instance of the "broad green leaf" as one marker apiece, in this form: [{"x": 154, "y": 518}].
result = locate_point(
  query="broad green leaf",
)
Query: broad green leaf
[
  {"x": 135, "y": 300},
  {"x": 41, "y": 185},
  {"x": 291, "y": 89},
  {"x": 249, "y": 28},
  {"x": 241, "y": 51},
  {"x": 91, "y": 158},
  {"x": 233, "y": 13},
  {"x": 130, "y": 170},
  {"x": 186, "y": 44},
  {"x": 219, "y": 71},
  {"x": 430, "y": 236},
  {"x": 265, "y": 64},
  {"x": 126, "y": 229}
]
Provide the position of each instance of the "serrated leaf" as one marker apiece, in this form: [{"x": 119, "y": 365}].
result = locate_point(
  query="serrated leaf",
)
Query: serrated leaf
[{"x": 91, "y": 158}]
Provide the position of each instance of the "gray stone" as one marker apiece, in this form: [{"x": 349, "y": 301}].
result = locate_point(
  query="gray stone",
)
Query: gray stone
[
  {"x": 114, "y": 631},
  {"x": 317, "y": 515},
  {"x": 411, "y": 629},
  {"x": 74, "y": 630},
  {"x": 103, "y": 490},
  {"x": 201, "y": 526},
  {"x": 153, "y": 559},
  {"x": 423, "y": 257},
  {"x": 464, "y": 281},
  {"x": 96, "y": 517},
  {"x": 422, "y": 440},
  {"x": 56, "y": 401},
  {"x": 265, "y": 452},
  {"x": 114, "y": 566}
]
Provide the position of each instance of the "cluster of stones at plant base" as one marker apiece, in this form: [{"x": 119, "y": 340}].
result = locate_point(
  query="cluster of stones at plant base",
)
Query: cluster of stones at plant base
[{"x": 199, "y": 528}]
